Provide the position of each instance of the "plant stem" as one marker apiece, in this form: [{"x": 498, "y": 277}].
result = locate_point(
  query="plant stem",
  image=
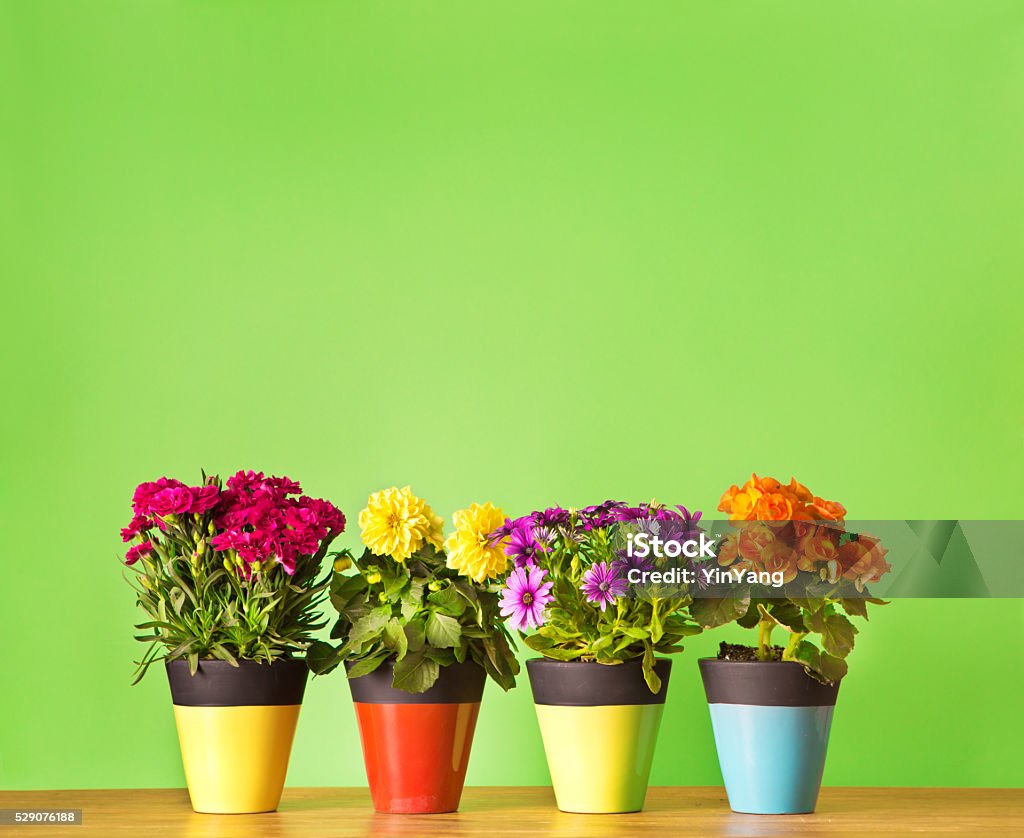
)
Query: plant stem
[
  {"x": 764, "y": 639},
  {"x": 794, "y": 641}
]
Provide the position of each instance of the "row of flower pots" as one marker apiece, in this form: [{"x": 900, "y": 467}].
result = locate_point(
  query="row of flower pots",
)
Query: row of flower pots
[
  {"x": 230, "y": 577},
  {"x": 599, "y": 726}
]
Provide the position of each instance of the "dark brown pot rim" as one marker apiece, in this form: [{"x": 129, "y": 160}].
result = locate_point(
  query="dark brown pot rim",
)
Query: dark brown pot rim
[
  {"x": 586, "y": 684},
  {"x": 764, "y": 684},
  {"x": 219, "y": 684},
  {"x": 459, "y": 683}
]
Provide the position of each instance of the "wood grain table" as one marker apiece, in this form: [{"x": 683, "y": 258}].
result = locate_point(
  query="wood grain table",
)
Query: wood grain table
[{"x": 500, "y": 811}]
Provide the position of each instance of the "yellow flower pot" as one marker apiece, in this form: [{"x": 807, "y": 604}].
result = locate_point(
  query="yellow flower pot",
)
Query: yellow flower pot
[
  {"x": 235, "y": 729},
  {"x": 599, "y": 724}
]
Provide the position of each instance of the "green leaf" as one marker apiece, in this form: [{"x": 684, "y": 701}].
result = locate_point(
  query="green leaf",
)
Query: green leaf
[
  {"x": 657, "y": 630},
  {"x": 344, "y": 589},
  {"x": 558, "y": 654},
  {"x": 712, "y": 612},
  {"x": 369, "y": 626},
  {"x": 832, "y": 668},
  {"x": 395, "y": 639},
  {"x": 415, "y": 635},
  {"x": 321, "y": 657},
  {"x": 752, "y": 617},
  {"x": 837, "y": 632},
  {"x": 442, "y": 657},
  {"x": 786, "y": 614},
  {"x": 635, "y": 632},
  {"x": 442, "y": 630},
  {"x": 650, "y": 676},
  {"x": 412, "y": 599},
  {"x": 538, "y": 643},
  {"x": 855, "y": 607},
  {"x": 448, "y": 601},
  {"x": 415, "y": 674},
  {"x": 819, "y": 665},
  {"x": 680, "y": 626},
  {"x": 367, "y": 665}
]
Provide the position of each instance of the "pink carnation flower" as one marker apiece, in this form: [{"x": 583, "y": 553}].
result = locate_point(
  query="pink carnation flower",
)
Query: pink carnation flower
[
  {"x": 204, "y": 498},
  {"x": 172, "y": 501},
  {"x": 136, "y": 552}
]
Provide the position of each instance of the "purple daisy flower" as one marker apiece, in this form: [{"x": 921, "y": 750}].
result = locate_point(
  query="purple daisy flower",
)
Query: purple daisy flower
[
  {"x": 524, "y": 597},
  {"x": 691, "y": 519},
  {"x": 695, "y": 568},
  {"x": 602, "y": 584},
  {"x": 572, "y": 534},
  {"x": 506, "y": 529},
  {"x": 625, "y": 563},
  {"x": 632, "y": 513},
  {"x": 545, "y": 537},
  {"x": 601, "y": 514},
  {"x": 600, "y": 508},
  {"x": 553, "y": 516},
  {"x": 522, "y": 547}
]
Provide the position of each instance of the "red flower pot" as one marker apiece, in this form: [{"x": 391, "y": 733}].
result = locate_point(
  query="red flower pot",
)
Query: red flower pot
[{"x": 416, "y": 745}]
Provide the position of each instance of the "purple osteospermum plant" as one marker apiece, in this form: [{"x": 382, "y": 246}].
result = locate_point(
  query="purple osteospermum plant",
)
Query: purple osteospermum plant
[{"x": 570, "y": 580}]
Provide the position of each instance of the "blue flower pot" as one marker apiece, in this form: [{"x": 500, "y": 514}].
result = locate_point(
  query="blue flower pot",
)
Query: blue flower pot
[{"x": 771, "y": 722}]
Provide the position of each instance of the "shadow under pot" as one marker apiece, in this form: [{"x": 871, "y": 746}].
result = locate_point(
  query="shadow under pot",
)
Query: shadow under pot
[
  {"x": 235, "y": 728},
  {"x": 599, "y": 724},
  {"x": 771, "y": 722},
  {"x": 416, "y": 745}
]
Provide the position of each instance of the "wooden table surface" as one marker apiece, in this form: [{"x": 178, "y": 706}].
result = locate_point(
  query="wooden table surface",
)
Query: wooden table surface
[{"x": 324, "y": 812}]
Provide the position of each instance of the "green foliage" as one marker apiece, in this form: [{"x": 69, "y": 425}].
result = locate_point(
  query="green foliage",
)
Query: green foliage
[
  {"x": 420, "y": 614},
  {"x": 201, "y": 606},
  {"x": 821, "y": 634}
]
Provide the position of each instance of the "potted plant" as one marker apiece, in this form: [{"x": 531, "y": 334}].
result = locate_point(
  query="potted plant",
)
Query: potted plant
[
  {"x": 771, "y": 706},
  {"x": 599, "y": 688},
  {"x": 419, "y": 633},
  {"x": 228, "y": 577}
]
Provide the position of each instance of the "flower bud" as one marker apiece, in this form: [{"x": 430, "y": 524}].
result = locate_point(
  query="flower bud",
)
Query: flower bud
[
  {"x": 435, "y": 585},
  {"x": 211, "y": 529},
  {"x": 382, "y": 597},
  {"x": 342, "y": 563},
  {"x": 373, "y": 578},
  {"x": 228, "y": 566},
  {"x": 238, "y": 560},
  {"x": 256, "y": 567}
]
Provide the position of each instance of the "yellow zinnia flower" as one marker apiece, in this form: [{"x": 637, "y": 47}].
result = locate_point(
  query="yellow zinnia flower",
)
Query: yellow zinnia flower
[
  {"x": 469, "y": 551},
  {"x": 395, "y": 523}
]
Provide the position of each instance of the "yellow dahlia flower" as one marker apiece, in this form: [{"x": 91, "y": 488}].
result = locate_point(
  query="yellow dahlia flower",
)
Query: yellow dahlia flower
[
  {"x": 469, "y": 551},
  {"x": 395, "y": 523},
  {"x": 436, "y": 534}
]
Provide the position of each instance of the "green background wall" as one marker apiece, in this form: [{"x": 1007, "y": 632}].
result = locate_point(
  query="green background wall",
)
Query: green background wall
[{"x": 528, "y": 252}]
